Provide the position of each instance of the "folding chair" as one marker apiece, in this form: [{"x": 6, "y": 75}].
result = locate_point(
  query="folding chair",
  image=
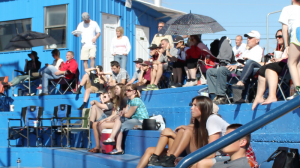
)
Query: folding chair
[
  {"x": 28, "y": 115},
  {"x": 75, "y": 128},
  {"x": 283, "y": 81},
  {"x": 28, "y": 82},
  {"x": 60, "y": 111},
  {"x": 65, "y": 81},
  {"x": 207, "y": 60}
]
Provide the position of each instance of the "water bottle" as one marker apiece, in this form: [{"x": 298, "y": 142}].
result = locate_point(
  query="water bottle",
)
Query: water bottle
[
  {"x": 19, "y": 162},
  {"x": 40, "y": 88}
]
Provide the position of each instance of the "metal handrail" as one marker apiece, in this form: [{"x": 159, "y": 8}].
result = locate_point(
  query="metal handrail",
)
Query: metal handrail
[
  {"x": 268, "y": 28},
  {"x": 239, "y": 133}
]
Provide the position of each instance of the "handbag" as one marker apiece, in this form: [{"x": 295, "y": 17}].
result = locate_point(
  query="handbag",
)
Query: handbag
[
  {"x": 150, "y": 124},
  {"x": 159, "y": 119},
  {"x": 285, "y": 157}
]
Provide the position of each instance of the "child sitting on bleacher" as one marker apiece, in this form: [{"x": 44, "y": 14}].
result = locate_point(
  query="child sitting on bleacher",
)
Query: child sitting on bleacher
[{"x": 236, "y": 151}]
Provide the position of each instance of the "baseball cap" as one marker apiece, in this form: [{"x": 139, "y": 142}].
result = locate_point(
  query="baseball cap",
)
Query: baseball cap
[
  {"x": 33, "y": 53},
  {"x": 139, "y": 60},
  {"x": 85, "y": 16},
  {"x": 153, "y": 46},
  {"x": 146, "y": 63},
  {"x": 178, "y": 39},
  {"x": 253, "y": 33}
]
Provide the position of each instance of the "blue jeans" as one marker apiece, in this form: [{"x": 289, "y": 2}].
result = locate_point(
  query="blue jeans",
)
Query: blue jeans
[
  {"x": 122, "y": 59},
  {"x": 48, "y": 73},
  {"x": 217, "y": 80},
  {"x": 248, "y": 70}
]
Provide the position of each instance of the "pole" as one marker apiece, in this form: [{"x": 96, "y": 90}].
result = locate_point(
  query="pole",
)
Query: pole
[
  {"x": 268, "y": 28},
  {"x": 239, "y": 133}
]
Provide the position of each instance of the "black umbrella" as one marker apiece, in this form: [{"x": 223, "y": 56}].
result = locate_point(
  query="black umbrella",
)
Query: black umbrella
[
  {"x": 30, "y": 39},
  {"x": 191, "y": 24}
]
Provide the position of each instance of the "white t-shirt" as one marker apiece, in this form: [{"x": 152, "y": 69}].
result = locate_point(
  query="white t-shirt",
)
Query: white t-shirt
[
  {"x": 56, "y": 63},
  {"x": 120, "y": 46},
  {"x": 239, "y": 49},
  {"x": 215, "y": 124},
  {"x": 290, "y": 16},
  {"x": 254, "y": 53},
  {"x": 89, "y": 31},
  {"x": 182, "y": 54}
]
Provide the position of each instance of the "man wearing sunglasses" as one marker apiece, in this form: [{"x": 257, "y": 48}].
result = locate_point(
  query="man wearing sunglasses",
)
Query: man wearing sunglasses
[{"x": 158, "y": 37}]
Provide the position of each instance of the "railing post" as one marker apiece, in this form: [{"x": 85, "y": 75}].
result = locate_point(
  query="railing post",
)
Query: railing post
[
  {"x": 268, "y": 28},
  {"x": 239, "y": 133}
]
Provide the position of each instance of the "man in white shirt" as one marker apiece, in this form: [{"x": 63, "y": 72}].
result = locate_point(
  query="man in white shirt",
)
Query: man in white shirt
[
  {"x": 90, "y": 32},
  {"x": 240, "y": 47},
  {"x": 158, "y": 37},
  {"x": 217, "y": 78}
]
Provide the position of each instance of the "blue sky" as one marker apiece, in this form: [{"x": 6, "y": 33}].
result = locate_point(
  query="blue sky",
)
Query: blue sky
[{"x": 236, "y": 16}]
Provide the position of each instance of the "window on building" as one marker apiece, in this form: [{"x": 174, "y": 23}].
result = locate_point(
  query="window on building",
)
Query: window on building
[
  {"x": 9, "y": 29},
  {"x": 56, "y": 25}
]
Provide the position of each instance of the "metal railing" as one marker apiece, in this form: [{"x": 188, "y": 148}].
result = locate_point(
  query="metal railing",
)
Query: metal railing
[{"x": 239, "y": 133}]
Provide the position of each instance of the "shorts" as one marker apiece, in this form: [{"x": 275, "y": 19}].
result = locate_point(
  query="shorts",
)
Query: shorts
[
  {"x": 88, "y": 52},
  {"x": 93, "y": 88},
  {"x": 103, "y": 116},
  {"x": 178, "y": 64},
  {"x": 191, "y": 63},
  {"x": 128, "y": 124},
  {"x": 276, "y": 66},
  {"x": 220, "y": 159}
]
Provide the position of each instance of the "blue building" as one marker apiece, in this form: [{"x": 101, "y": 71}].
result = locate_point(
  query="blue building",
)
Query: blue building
[{"x": 59, "y": 18}]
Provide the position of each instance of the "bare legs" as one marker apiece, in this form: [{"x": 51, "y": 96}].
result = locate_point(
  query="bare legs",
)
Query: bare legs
[
  {"x": 161, "y": 145},
  {"x": 156, "y": 74},
  {"x": 271, "y": 77},
  {"x": 293, "y": 63},
  {"x": 87, "y": 94},
  {"x": 96, "y": 113},
  {"x": 85, "y": 79},
  {"x": 86, "y": 64},
  {"x": 181, "y": 142},
  {"x": 92, "y": 62}
]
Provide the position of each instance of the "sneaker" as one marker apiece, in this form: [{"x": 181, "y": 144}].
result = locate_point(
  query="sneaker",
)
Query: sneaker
[
  {"x": 293, "y": 96},
  {"x": 220, "y": 100},
  {"x": 154, "y": 87},
  {"x": 43, "y": 94},
  {"x": 148, "y": 87},
  {"x": 193, "y": 83},
  {"x": 178, "y": 85},
  {"x": 173, "y": 86},
  {"x": 187, "y": 84},
  {"x": 159, "y": 162},
  {"x": 153, "y": 161},
  {"x": 170, "y": 162}
]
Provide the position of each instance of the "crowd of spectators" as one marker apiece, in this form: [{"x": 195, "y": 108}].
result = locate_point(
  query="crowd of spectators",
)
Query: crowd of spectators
[{"x": 121, "y": 108}]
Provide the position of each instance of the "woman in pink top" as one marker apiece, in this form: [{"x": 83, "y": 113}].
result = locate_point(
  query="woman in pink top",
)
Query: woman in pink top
[{"x": 120, "y": 47}]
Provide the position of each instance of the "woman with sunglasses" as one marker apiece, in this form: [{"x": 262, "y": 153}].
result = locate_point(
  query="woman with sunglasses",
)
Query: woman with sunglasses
[
  {"x": 132, "y": 115},
  {"x": 268, "y": 74}
]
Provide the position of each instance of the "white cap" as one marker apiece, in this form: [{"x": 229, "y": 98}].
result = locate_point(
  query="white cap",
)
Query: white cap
[{"x": 254, "y": 34}]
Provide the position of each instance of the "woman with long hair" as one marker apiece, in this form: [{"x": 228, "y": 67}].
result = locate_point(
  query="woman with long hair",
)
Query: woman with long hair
[
  {"x": 167, "y": 137},
  {"x": 129, "y": 117},
  {"x": 115, "y": 94},
  {"x": 268, "y": 74},
  {"x": 207, "y": 128}
]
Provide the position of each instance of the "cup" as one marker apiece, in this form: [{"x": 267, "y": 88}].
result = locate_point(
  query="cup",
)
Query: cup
[
  {"x": 12, "y": 108},
  {"x": 35, "y": 123},
  {"x": 278, "y": 54}
]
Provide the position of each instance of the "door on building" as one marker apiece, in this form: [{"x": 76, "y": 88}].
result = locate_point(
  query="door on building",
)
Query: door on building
[
  {"x": 142, "y": 42},
  {"x": 109, "y": 25}
]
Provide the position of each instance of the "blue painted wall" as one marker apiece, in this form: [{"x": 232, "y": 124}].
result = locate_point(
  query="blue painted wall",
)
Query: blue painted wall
[{"x": 34, "y": 9}]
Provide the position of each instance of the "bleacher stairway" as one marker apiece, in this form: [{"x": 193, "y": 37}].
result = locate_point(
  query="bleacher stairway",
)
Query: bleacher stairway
[{"x": 173, "y": 104}]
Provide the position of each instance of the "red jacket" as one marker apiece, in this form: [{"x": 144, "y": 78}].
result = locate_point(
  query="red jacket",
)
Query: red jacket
[{"x": 193, "y": 53}]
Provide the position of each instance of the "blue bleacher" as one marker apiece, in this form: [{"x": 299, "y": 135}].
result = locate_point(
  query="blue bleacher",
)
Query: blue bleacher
[{"x": 171, "y": 103}]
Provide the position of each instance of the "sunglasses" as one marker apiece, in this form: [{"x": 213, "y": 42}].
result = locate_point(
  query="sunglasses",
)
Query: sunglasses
[
  {"x": 280, "y": 36},
  {"x": 128, "y": 90},
  {"x": 160, "y": 26}
]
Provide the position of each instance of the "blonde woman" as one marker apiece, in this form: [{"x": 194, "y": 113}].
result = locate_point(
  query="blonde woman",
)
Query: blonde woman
[{"x": 120, "y": 47}]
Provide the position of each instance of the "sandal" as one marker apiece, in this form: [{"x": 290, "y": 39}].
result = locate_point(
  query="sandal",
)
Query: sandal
[
  {"x": 109, "y": 142},
  {"x": 94, "y": 150},
  {"x": 115, "y": 152}
]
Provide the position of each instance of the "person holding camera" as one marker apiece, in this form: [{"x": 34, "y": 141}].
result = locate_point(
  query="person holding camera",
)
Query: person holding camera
[{"x": 92, "y": 82}]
